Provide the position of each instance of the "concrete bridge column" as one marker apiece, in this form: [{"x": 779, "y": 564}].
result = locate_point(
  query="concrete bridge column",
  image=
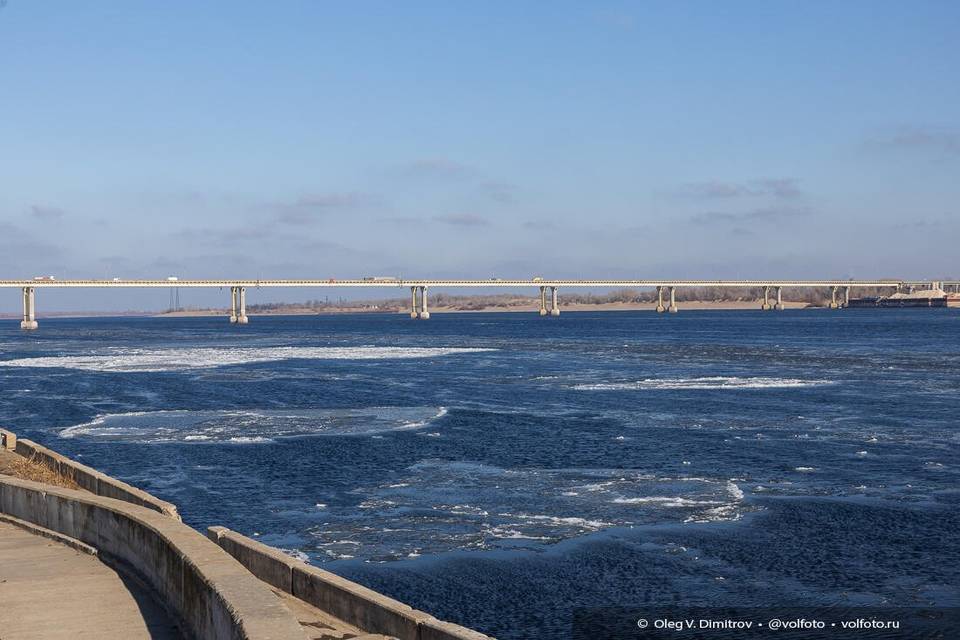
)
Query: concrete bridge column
[
  {"x": 833, "y": 298},
  {"x": 660, "y": 307},
  {"x": 413, "y": 303},
  {"x": 673, "y": 300},
  {"x": 543, "y": 301},
  {"x": 846, "y": 297},
  {"x": 779, "y": 305},
  {"x": 29, "y": 310},
  {"x": 242, "y": 304},
  {"x": 766, "y": 299},
  {"x": 554, "y": 302},
  {"x": 424, "y": 314},
  {"x": 233, "y": 305}
]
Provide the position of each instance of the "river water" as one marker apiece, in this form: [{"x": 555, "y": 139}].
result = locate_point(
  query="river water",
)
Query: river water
[{"x": 501, "y": 470}]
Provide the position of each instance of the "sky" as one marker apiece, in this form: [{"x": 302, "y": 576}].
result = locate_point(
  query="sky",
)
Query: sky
[{"x": 309, "y": 139}]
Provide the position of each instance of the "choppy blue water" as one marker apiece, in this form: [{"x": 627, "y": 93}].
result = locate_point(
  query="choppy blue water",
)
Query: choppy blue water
[{"x": 499, "y": 470}]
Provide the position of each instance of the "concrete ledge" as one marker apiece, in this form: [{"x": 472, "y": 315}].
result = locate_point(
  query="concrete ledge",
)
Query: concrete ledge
[
  {"x": 8, "y": 440},
  {"x": 88, "y": 478},
  {"x": 270, "y": 565},
  {"x": 353, "y": 603},
  {"x": 434, "y": 629},
  {"x": 73, "y": 543},
  {"x": 211, "y": 594}
]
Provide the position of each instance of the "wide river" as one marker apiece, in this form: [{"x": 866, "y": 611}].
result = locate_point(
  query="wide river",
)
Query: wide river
[{"x": 501, "y": 470}]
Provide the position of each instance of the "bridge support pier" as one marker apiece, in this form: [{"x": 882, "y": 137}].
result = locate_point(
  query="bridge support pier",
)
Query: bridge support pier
[
  {"x": 424, "y": 313},
  {"x": 846, "y": 297},
  {"x": 554, "y": 302},
  {"x": 833, "y": 298},
  {"x": 766, "y": 300},
  {"x": 242, "y": 306},
  {"x": 660, "y": 307},
  {"x": 673, "y": 300},
  {"x": 543, "y": 301},
  {"x": 418, "y": 303},
  {"x": 779, "y": 305},
  {"x": 238, "y": 305},
  {"x": 29, "y": 321}
]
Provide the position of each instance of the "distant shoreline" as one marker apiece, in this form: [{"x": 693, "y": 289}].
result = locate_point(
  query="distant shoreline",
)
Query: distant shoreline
[
  {"x": 692, "y": 305},
  {"x": 531, "y": 308}
]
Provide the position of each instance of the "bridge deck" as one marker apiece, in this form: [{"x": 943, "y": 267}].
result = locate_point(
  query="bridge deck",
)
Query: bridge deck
[{"x": 465, "y": 284}]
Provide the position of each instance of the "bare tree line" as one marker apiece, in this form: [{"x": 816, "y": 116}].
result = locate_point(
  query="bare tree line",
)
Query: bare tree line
[{"x": 814, "y": 296}]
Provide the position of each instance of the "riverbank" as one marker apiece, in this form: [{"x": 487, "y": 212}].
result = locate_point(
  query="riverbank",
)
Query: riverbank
[
  {"x": 531, "y": 307},
  {"x": 58, "y": 518}
]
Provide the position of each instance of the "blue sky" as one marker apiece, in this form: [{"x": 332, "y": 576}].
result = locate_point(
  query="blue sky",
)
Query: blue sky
[{"x": 445, "y": 139}]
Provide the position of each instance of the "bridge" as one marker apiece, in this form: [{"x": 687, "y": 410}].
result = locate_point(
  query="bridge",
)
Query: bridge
[{"x": 666, "y": 289}]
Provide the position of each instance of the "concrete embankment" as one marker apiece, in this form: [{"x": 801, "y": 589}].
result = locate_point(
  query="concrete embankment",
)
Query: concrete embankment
[
  {"x": 86, "y": 477},
  {"x": 227, "y": 586},
  {"x": 348, "y": 601},
  {"x": 209, "y": 593}
]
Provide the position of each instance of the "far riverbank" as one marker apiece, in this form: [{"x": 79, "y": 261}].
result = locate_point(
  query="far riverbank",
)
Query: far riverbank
[{"x": 293, "y": 310}]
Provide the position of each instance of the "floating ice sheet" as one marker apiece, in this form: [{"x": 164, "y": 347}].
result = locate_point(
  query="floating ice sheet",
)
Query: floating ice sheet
[
  {"x": 153, "y": 360},
  {"x": 250, "y": 426}
]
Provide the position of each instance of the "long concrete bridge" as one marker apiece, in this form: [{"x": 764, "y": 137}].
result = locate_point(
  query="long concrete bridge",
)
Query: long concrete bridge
[{"x": 549, "y": 298}]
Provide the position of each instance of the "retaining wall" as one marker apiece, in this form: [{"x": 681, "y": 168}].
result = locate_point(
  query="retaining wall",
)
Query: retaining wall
[
  {"x": 86, "y": 477},
  {"x": 210, "y": 592},
  {"x": 215, "y": 589},
  {"x": 349, "y": 601}
]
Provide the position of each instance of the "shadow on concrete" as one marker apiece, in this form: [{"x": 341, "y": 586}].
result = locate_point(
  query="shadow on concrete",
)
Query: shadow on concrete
[{"x": 160, "y": 622}]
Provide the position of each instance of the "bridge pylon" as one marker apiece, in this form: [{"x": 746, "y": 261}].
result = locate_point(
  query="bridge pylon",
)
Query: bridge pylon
[
  {"x": 418, "y": 294},
  {"x": 29, "y": 321},
  {"x": 238, "y": 305}
]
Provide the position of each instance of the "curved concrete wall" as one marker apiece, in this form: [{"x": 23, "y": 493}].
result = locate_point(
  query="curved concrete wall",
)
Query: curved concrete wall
[
  {"x": 88, "y": 478},
  {"x": 212, "y": 594},
  {"x": 353, "y": 603}
]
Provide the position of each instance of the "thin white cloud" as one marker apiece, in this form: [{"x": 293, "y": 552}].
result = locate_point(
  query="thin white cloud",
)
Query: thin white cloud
[
  {"x": 781, "y": 188},
  {"x": 46, "y": 213},
  {"x": 309, "y": 208},
  {"x": 764, "y": 214},
  {"x": 462, "y": 220},
  {"x": 942, "y": 140}
]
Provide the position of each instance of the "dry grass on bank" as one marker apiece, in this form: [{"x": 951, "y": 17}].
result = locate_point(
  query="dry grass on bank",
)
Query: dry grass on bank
[{"x": 33, "y": 469}]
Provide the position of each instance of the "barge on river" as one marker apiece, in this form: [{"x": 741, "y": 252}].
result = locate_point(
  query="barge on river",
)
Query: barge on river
[{"x": 924, "y": 298}]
